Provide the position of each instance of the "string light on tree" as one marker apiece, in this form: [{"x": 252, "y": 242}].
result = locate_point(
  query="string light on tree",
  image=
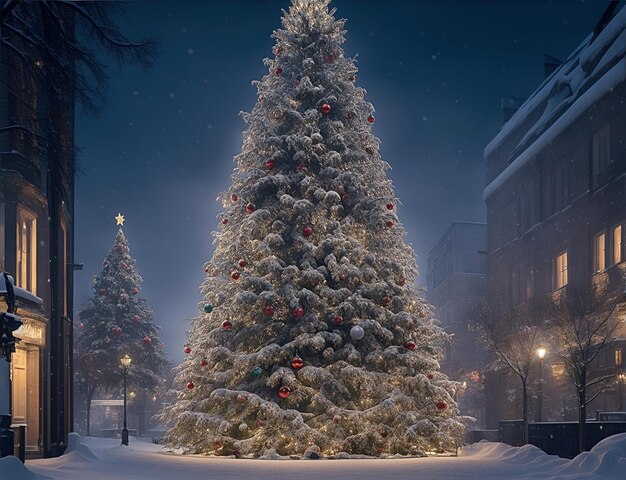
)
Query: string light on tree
[{"x": 323, "y": 269}]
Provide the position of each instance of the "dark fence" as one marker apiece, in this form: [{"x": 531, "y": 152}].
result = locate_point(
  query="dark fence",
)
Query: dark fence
[
  {"x": 558, "y": 438},
  {"x": 511, "y": 432},
  {"x": 473, "y": 436}
]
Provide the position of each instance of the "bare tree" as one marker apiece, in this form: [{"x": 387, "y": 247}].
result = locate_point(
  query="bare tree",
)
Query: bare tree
[
  {"x": 513, "y": 338},
  {"x": 583, "y": 323},
  {"x": 55, "y": 48}
]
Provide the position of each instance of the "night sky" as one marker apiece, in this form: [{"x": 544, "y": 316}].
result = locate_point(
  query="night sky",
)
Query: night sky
[{"x": 161, "y": 150}]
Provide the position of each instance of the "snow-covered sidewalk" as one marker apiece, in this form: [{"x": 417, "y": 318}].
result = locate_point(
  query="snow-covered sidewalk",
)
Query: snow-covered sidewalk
[{"x": 104, "y": 459}]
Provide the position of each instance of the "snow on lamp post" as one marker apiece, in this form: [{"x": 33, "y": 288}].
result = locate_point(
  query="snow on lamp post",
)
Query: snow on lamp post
[
  {"x": 541, "y": 353},
  {"x": 125, "y": 361}
]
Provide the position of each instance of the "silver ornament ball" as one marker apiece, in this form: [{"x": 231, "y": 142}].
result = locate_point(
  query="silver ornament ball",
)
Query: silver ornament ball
[{"x": 357, "y": 332}]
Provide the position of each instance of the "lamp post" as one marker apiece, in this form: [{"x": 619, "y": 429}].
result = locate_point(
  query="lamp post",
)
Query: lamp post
[
  {"x": 541, "y": 353},
  {"x": 125, "y": 361}
]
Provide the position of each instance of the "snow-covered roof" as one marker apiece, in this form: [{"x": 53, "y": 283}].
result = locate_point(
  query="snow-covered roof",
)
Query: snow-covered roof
[{"x": 594, "y": 69}]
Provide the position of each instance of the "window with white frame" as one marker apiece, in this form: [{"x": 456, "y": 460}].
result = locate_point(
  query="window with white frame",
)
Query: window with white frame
[
  {"x": 26, "y": 250},
  {"x": 560, "y": 279},
  {"x": 617, "y": 244},
  {"x": 601, "y": 155},
  {"x": 599, "y": 252}
]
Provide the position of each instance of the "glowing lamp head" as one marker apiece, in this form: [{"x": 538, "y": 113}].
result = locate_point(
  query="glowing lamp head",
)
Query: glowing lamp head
[
  {"x": 125, "y": 361},
  {"x": 541, "y": 353}
]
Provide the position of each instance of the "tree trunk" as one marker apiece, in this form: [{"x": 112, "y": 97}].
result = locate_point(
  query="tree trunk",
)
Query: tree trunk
[
  {"x": 524, "y": 412},
  {"x": 582, "y": 410}
]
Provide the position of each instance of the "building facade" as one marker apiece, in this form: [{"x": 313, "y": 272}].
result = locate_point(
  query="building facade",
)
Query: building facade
[
  {"x": 556, "y": 184},
  {"x": 455, "y": 286},
  {"x": 36, "y": 247}
]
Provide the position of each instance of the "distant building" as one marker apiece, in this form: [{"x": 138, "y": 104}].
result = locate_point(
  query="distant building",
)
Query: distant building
[
  {"x": 556, "y": 183},
  {"x": 456, "y": 284},
  {"x": 36, "y": 247}
]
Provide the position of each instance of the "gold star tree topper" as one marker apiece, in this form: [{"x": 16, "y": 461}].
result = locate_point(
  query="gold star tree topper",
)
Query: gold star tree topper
[{"x": 120, "y": 219}]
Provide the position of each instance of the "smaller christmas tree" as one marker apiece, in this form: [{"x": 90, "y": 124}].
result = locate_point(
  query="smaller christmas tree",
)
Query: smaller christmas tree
[{"x": 117, "y": 321}]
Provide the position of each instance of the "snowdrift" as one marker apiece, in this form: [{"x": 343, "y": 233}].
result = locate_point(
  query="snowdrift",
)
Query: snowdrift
[
  {"x": 77, "y": 450},
  {"x": 12, "y": 469},
  {"x": 607, "y": 458}
]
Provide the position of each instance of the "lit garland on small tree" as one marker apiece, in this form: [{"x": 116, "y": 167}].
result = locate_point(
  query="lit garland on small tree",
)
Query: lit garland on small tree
[
  {"x": 117, "y": 321},
  {"x": 309, "y": 339}
]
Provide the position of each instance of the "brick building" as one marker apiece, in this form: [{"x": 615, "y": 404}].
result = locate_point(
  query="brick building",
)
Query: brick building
[
  {"x": 556, "y": 184},
  {"x": 36, "y": 247}
]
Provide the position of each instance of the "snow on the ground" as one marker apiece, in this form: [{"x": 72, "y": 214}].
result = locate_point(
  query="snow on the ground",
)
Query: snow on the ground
[{"x": 104, "y": 459}]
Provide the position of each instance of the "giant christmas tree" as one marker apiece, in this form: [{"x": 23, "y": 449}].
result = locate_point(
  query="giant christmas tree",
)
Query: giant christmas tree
[
  {"x": 117, "y": 321},
  {"x": 311, "y": 338}
]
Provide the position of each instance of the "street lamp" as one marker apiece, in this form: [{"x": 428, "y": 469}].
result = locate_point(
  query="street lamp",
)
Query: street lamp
[
  {"x": 541, "y": 353},
  {"x": 125, "y": 361}
]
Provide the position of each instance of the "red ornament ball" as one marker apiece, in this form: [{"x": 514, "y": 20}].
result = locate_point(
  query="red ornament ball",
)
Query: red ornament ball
[
  {"x": 278, "y": 72},
  {"x": 338, "y": 320},
  {"x": 345, "y": 197},
  {"x": 102, "y": 291},
  {"x": 242, "y": 263},
  {"x": 218, "y": 445},
  {"x": 136, "y": 318},
  {"x": 441, "y": 405},
  {"x": 270, "y": 164},
  {"x": 430, "y": 376},
  {"x": 336, "y": 419},
  {"x": 190, "y": 385},
  {"x": 325, "y": 108},
  {"x": 235, "y": 275},
  {"x": 81, "y": 325},
  {"x": 410, "y": 345},
  {"x": 147, "y": 341},
  {"x": 301, "y": 167},
  {"x": 352, "y": 78},
  {"x": 135, "y": 291},
  {"x": 187, "y": 350},
  {"x": 307, "y": 231},
  {"x": 203, "y": 363},
  {"x": 250, "y": 208},
  {"x": 298, "y": 312},
  {"x": 268, "y": 310},
  {"x": 297, "y": 362},
  {"x": 227, "y": 325},
  {"x": 390, "y": 206},
  {"x": 389, "y": 223},
  {"x": 206, "y": 270},
  {"x": 386, "y": 301},
  {"x": 237, "y": 453},
  {"x": 284, "y": 392},
  {"x": 329, "y": 58},
  {"x": 401, "y": 281},
  {"x": 371, "y": 119},
  {"x": 278, "y": 50},
  {"x": 369, "y": 150},
  {"x": 224, "y": 221},
  {"x": 234, "y": 198},
  {"x": 117, "y": 331}
]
